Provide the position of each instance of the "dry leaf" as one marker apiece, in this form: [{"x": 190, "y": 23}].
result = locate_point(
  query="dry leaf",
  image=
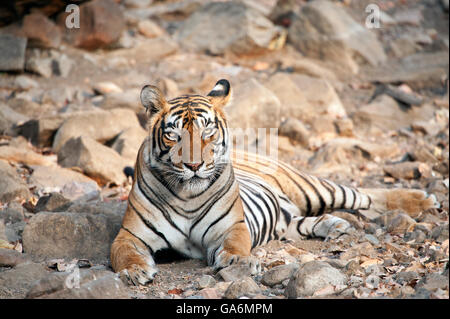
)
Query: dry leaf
[{"x": 175, "y": 291}]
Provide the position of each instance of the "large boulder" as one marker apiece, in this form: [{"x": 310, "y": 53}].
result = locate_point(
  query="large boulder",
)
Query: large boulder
[
  {"x": 100, "y": 125},
  {"x": 99, "y": 162},
  {"x": 12, "y": 52},
  {"x": 70, "y": 235},
  {"x": 325, "y": 30},
  {"x": 101, "y": 24},
  {"x": 229, "y": 26}
]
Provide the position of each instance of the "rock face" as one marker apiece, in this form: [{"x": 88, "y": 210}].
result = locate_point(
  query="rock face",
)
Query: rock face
[
  {"x": 278, "y": 274},
  {"x": 99, "y": 162},
  {"x": 47, "y": 35},
  {"x": 128, "y": 143},
  {"x": 41, "y": 131},
  {"x": 242, "y": 30},
  {"x": 70, "y": 235},
  {"x": 242, "y": 287},
  {"x": 101, "y": 22},
  {"x": 54, "y": 177},
  {"x": 324, "y": 30},
  {"x": 311, "y": 277},
  {"x": 12, "y": 52},
  {"x": 99, "y": 125},
  {"x": 15, "y": 283},
  {"x": 11, "y": 185},
  {"x": 79, "y": 284}
]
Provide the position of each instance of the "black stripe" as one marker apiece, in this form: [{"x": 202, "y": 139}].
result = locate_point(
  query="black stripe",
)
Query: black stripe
[
  {"x": 264, "y": 225},
  {"x": 150, "y": 225},
  {"x": 344, "y": 196},
  {"x": 354, "y": 198},
  {"x": 140, "y": 239},
  {"x": 330, "y": 189},
  {"x": 218, "y": 219},
  {"x": 257, "y": 230}
]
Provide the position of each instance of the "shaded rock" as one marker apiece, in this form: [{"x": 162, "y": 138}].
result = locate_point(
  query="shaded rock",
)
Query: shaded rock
[
  {"x": 55, "y": 177},
  {"x": 241, "y": 287},
  {"x": 295, "y": 130},
  {"x": 242, "y": 30},
  {"x": 311, "y": 277},
  {"x": 79, "y": 284},
  {"x": 102, "y": 24},
  {"x": 325, "y": 30},
  {"x": 39, "y": 63},
  {"x": 99, "y": 125},
  {"x": 278, "y": 274},
  {"x": 99, "y": 162},
  {"x": 13, "y": 213},
  {"x": 15, "y": 282},
  {"x": 396, "y": 222},
  {"x": 41, "y": 131},
  {"x": 387, "y": 114},
  {"x": 54, "y": 202},
  {"x": 420, "y": 70},
  {"x": 440, "y": 233},
  {"x": 406, "y": 277},
  {"x": 11, "y": 185},
  {"x": 408, "y": 170},
  {"x": 106, "y": 87},
  {"x": 40, "y": 31},
  {"x": 12, "y": 52},
  {"x": 433, "y": 282},
  {"x": 12, "y": 258},
  {"x": 8, "y": 118},
  {"x": 209, "y": 293},
  {"x": 69, "y": 235},
  {"x": 128, "y": 143},
  {"x": 361, "y": 249}
]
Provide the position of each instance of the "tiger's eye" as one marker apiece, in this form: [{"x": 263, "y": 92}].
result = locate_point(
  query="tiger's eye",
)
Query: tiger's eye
[
  {"x": 171, "y": 136},
  {"x": 209, "y": 132}
]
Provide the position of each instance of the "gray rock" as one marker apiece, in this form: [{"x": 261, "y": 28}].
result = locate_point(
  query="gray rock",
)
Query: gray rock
[
  {"x": 53, "y": 202},
  {"x": 325, "y": 30},
  {"x": 41, "y": 131},
  {"x": 80, "y": 192},
  {"x": 127, "y": 100},
  {"x": 395, "y": 221},
  {"x": 57, "y": 178},
  {"x": 25, "y": 83},
  {"x": 128, "y": 143},
  {"x": 8, "y": 118},
  {"x": 440, "y": 233},
  {"x": 70, "y": 235},
  {"x": 39, "y": 64},
  {"x": 405, "y": 277},
  {"x": 278, "y": 274},
  {"x": 15, "y": 283},
  {"x": 242, "y": 287},
  {"x": 100, "y": 125},
  {"x": 420, "y": 70},
  {"x": 79, "y": 284},
  {"x": 11, "y": 185},
  {"x": 62, "y": 65},
  {"x": 235, "y": 272},
  {"x": 311, "y": 277},
  {"x": 12, "y": 52},
  {"x": 206, "y": 281},
  {"x": 99, "y": 162},
  {"x": 433, "y": 282},
  {"x": 13, "y": 213},
  {"x": 242, "y": 30},
  {"x": 12, "y": 258},
  {"x": 40, "y": 31}
]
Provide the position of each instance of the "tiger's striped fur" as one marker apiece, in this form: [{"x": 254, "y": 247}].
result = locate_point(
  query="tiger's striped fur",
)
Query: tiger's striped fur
[{"x": 203, "y": 205}]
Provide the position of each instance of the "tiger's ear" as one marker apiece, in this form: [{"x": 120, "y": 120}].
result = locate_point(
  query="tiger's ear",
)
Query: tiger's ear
[
  {"x": 220, "y": 96},
  {"x": 152, "y": 99}
]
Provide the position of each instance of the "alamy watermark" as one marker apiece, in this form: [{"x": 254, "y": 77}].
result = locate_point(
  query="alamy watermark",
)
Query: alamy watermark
[
  {"x": 73, "y": 18},
  {"x": 374, "y": 17}
]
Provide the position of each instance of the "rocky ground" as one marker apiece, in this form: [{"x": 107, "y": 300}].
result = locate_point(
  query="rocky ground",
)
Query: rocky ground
[{"x": 366, "y": 107}]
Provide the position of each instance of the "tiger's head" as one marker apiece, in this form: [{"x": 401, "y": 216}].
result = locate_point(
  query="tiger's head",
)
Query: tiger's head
[{"x": 188, "y": 136}]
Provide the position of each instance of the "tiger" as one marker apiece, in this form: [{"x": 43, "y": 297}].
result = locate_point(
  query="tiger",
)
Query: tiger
[{"x": 194, "y": 194}]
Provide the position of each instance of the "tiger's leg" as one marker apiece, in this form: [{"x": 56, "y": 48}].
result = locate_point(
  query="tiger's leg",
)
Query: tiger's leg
[
  {"x": 412, "y": 201},
  {"x": 235, "y": 246},
  {"x": 326, "y": 226},
  {"x": 131, "y": 258}
]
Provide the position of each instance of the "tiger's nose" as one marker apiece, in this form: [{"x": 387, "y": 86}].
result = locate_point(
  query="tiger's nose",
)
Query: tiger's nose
[{"x": 193, "y": 167}]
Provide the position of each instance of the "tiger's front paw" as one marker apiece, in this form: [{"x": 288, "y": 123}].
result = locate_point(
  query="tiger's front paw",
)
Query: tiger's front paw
[{"x": 138, "y": 274}]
